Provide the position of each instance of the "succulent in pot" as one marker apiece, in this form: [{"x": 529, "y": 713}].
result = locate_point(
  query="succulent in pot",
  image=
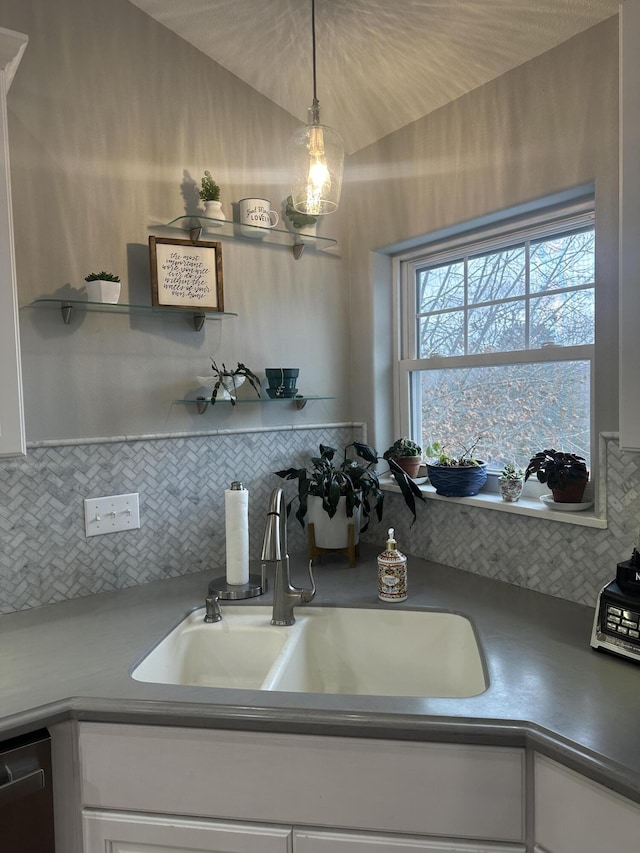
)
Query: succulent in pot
[
  {"x": 566, "y": 474},
  {"x": 407, "y": 454},
  {"x": 102, "y": 276},
  {"x": 511, "y": 482},
  {"x": 456, "y": 476},
  {"x": 103, "y": 287},
  {"x": 354, "y": 480}
]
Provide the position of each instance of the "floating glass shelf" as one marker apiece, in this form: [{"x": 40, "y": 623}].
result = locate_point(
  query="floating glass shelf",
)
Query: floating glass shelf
[
  {"x": 203, "y": 227},
  {"x": 67, "y": 307},
  {"x": 299, "y": 401}
]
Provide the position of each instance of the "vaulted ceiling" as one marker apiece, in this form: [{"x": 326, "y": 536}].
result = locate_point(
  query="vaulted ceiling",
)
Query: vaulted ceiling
[{"x": 381, "y": 63}]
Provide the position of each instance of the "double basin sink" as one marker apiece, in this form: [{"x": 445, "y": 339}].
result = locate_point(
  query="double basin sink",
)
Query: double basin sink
[{"x": 380, "y": 652}]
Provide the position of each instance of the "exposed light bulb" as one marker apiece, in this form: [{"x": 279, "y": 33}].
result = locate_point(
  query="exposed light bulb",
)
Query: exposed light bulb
[{"x": 317, "y": 157}]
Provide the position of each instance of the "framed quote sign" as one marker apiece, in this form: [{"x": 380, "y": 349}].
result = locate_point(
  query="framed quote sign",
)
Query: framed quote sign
[{"x": 186, "y": 274}]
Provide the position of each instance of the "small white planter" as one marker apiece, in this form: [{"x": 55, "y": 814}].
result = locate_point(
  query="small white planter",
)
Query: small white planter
[
  {"x": 103, "y": 291},
  {"x": 510, "y": 489},
  {"x": 332, "y": 532},
  {"x": 213, "y": 210},
  {"x": 226, "y": 391}
]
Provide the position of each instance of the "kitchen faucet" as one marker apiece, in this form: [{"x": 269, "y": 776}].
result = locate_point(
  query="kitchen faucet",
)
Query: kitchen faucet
[{"x": 274, "y": 550}]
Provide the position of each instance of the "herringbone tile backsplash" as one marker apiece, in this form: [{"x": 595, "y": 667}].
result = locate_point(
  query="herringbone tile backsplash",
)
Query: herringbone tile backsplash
[{"x": 45, "y": 556}]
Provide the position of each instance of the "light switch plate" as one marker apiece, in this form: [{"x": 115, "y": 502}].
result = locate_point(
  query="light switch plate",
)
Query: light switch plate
[{"x": 111, "y": 514}]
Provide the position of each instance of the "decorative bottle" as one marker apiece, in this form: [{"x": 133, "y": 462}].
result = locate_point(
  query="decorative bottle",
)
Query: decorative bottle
[{"x": 392, "y": 572}]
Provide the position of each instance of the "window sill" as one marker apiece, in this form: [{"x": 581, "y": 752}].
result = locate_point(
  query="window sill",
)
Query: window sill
[{"x": 529, "y": 506}]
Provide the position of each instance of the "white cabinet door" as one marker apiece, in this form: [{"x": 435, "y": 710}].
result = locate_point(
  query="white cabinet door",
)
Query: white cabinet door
[
  {"x": 576, "y": 815},
  {"x": 12, "y": 435},
  {"x": 446, "y": 790},
  {"x": 124, "y": 832},
  {"x": 629, "y": 278},
  {"x": 349, "y": 842}
]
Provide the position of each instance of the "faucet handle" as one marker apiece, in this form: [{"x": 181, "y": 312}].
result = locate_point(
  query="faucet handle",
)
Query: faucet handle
[
  {"x": 213, "y": 614},
  {"x": 308, "y": 595}
]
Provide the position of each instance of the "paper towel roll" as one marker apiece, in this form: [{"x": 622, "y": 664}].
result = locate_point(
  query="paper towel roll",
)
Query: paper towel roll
[{"x": 236, "y": 516}]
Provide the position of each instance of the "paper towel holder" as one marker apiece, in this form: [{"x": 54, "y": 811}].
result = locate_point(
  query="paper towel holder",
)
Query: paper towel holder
[
  {"x": 256, "y": 585},
  {"x": 235, "y": 591}
]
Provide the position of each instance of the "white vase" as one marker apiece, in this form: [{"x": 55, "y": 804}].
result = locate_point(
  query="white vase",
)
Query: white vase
[
  {"x": 510, "y": 489},
  {"x": 332, "y": 532},
  {"x": 213, "y": 210},
  {"x": 226, "y": 390},
  {"x": 103, "y": 291}
]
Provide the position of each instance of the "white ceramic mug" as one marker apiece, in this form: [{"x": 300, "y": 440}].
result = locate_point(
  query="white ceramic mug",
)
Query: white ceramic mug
[{"x": 256, "y": 217}]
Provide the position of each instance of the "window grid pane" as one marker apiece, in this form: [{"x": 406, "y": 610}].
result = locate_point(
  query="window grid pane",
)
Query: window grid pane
[
  {"x": 519, "y": 274},
  {"x": 516, "y": 409},
  {"x": 519, "y": 297}
]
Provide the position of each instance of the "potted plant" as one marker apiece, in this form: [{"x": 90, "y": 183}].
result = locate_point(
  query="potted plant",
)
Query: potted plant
[
  {"x": 349, "y": 487},
  {"x": 455, "y": 476},
  {"x": 407, "y": 454},
  {"x": 566, "y": 474},
  {"x": 229, "y": 381},
  {"x": 511, "y": 482},
  {"x": 301, "y": 222},
  {"x": 210, "y": 195},
  {"x": 282, "y": 381},
  {"x": 102, "y": 287}
]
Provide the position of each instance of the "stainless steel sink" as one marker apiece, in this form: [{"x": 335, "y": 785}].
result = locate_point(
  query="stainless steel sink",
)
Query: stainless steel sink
[{"x": 380, "y": 652}]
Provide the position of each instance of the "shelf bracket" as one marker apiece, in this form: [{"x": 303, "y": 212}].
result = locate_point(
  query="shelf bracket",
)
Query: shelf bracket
[
  {"x": 300, "y": 404},
  {"x": 298, "y": 249},
  {"x": 195, "y": 232},
  {"x": 67, "y": 312},
  {"x": 198, "y": 321},
  {"x": 202, "y": 404}
]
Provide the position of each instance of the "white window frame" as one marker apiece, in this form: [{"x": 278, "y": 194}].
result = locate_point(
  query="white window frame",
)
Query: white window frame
[{"x": 545, "y": 221}]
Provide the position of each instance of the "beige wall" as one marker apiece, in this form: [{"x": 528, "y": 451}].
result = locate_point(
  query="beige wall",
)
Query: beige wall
[
  {"x": 549, "y": 125},
  {"x": 108, "y": 113}
]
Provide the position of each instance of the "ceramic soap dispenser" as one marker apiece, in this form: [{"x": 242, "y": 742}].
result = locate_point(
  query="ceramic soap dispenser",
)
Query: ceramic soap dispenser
[{"x": 392, "y": 572}]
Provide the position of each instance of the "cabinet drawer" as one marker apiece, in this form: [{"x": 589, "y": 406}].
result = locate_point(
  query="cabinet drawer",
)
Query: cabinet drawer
[
  {"x": 350, "y": 842},
  {"x": 391, "y": 786},
  {"x": 576, "y": 815},
  {"x": 125, "y": 833}
]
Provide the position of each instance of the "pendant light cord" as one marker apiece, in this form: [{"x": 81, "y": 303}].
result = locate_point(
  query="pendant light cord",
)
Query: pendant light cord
[{"x": 313, "y": 40}]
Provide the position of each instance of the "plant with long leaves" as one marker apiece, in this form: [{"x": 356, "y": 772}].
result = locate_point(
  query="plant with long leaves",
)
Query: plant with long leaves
[
  {"x": 227, "y": 380},
  {"x": 352, "y": 479}
]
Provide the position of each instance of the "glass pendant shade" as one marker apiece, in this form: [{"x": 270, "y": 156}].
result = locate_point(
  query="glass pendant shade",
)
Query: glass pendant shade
[{"x": 316, "y": 155}]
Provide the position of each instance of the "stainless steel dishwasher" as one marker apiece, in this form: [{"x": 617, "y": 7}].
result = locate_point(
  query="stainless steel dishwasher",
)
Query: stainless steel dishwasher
[{"x": 26, "y": 797}]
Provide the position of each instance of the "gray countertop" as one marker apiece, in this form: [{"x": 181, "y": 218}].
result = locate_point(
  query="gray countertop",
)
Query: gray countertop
[{"x": 548, "y": 689}]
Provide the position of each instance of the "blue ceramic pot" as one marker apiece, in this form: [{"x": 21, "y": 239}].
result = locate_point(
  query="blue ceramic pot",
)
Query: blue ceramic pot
[
  {"x": 455, "y": 482},
  {"x": 282, "y": 381}
]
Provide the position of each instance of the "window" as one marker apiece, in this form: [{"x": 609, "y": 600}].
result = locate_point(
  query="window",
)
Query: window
[{"x": 498, "y": 339}]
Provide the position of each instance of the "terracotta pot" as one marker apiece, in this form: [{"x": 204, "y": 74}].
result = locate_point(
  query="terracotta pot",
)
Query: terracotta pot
[
  {"x": 572, "y": 492},
  {"x": 409, "y": 464}
]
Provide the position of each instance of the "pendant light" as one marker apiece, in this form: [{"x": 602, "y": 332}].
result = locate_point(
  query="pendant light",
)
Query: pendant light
[{"x": 317, "y": 156}]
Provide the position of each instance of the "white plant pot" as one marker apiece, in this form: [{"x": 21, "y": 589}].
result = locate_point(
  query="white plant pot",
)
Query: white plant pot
[
  {"x": 332, "y": 532},
  {"x": 213, "y": 210},
  {"x": 226, "y": 390},
  {"x": 103, "y": 291}
]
